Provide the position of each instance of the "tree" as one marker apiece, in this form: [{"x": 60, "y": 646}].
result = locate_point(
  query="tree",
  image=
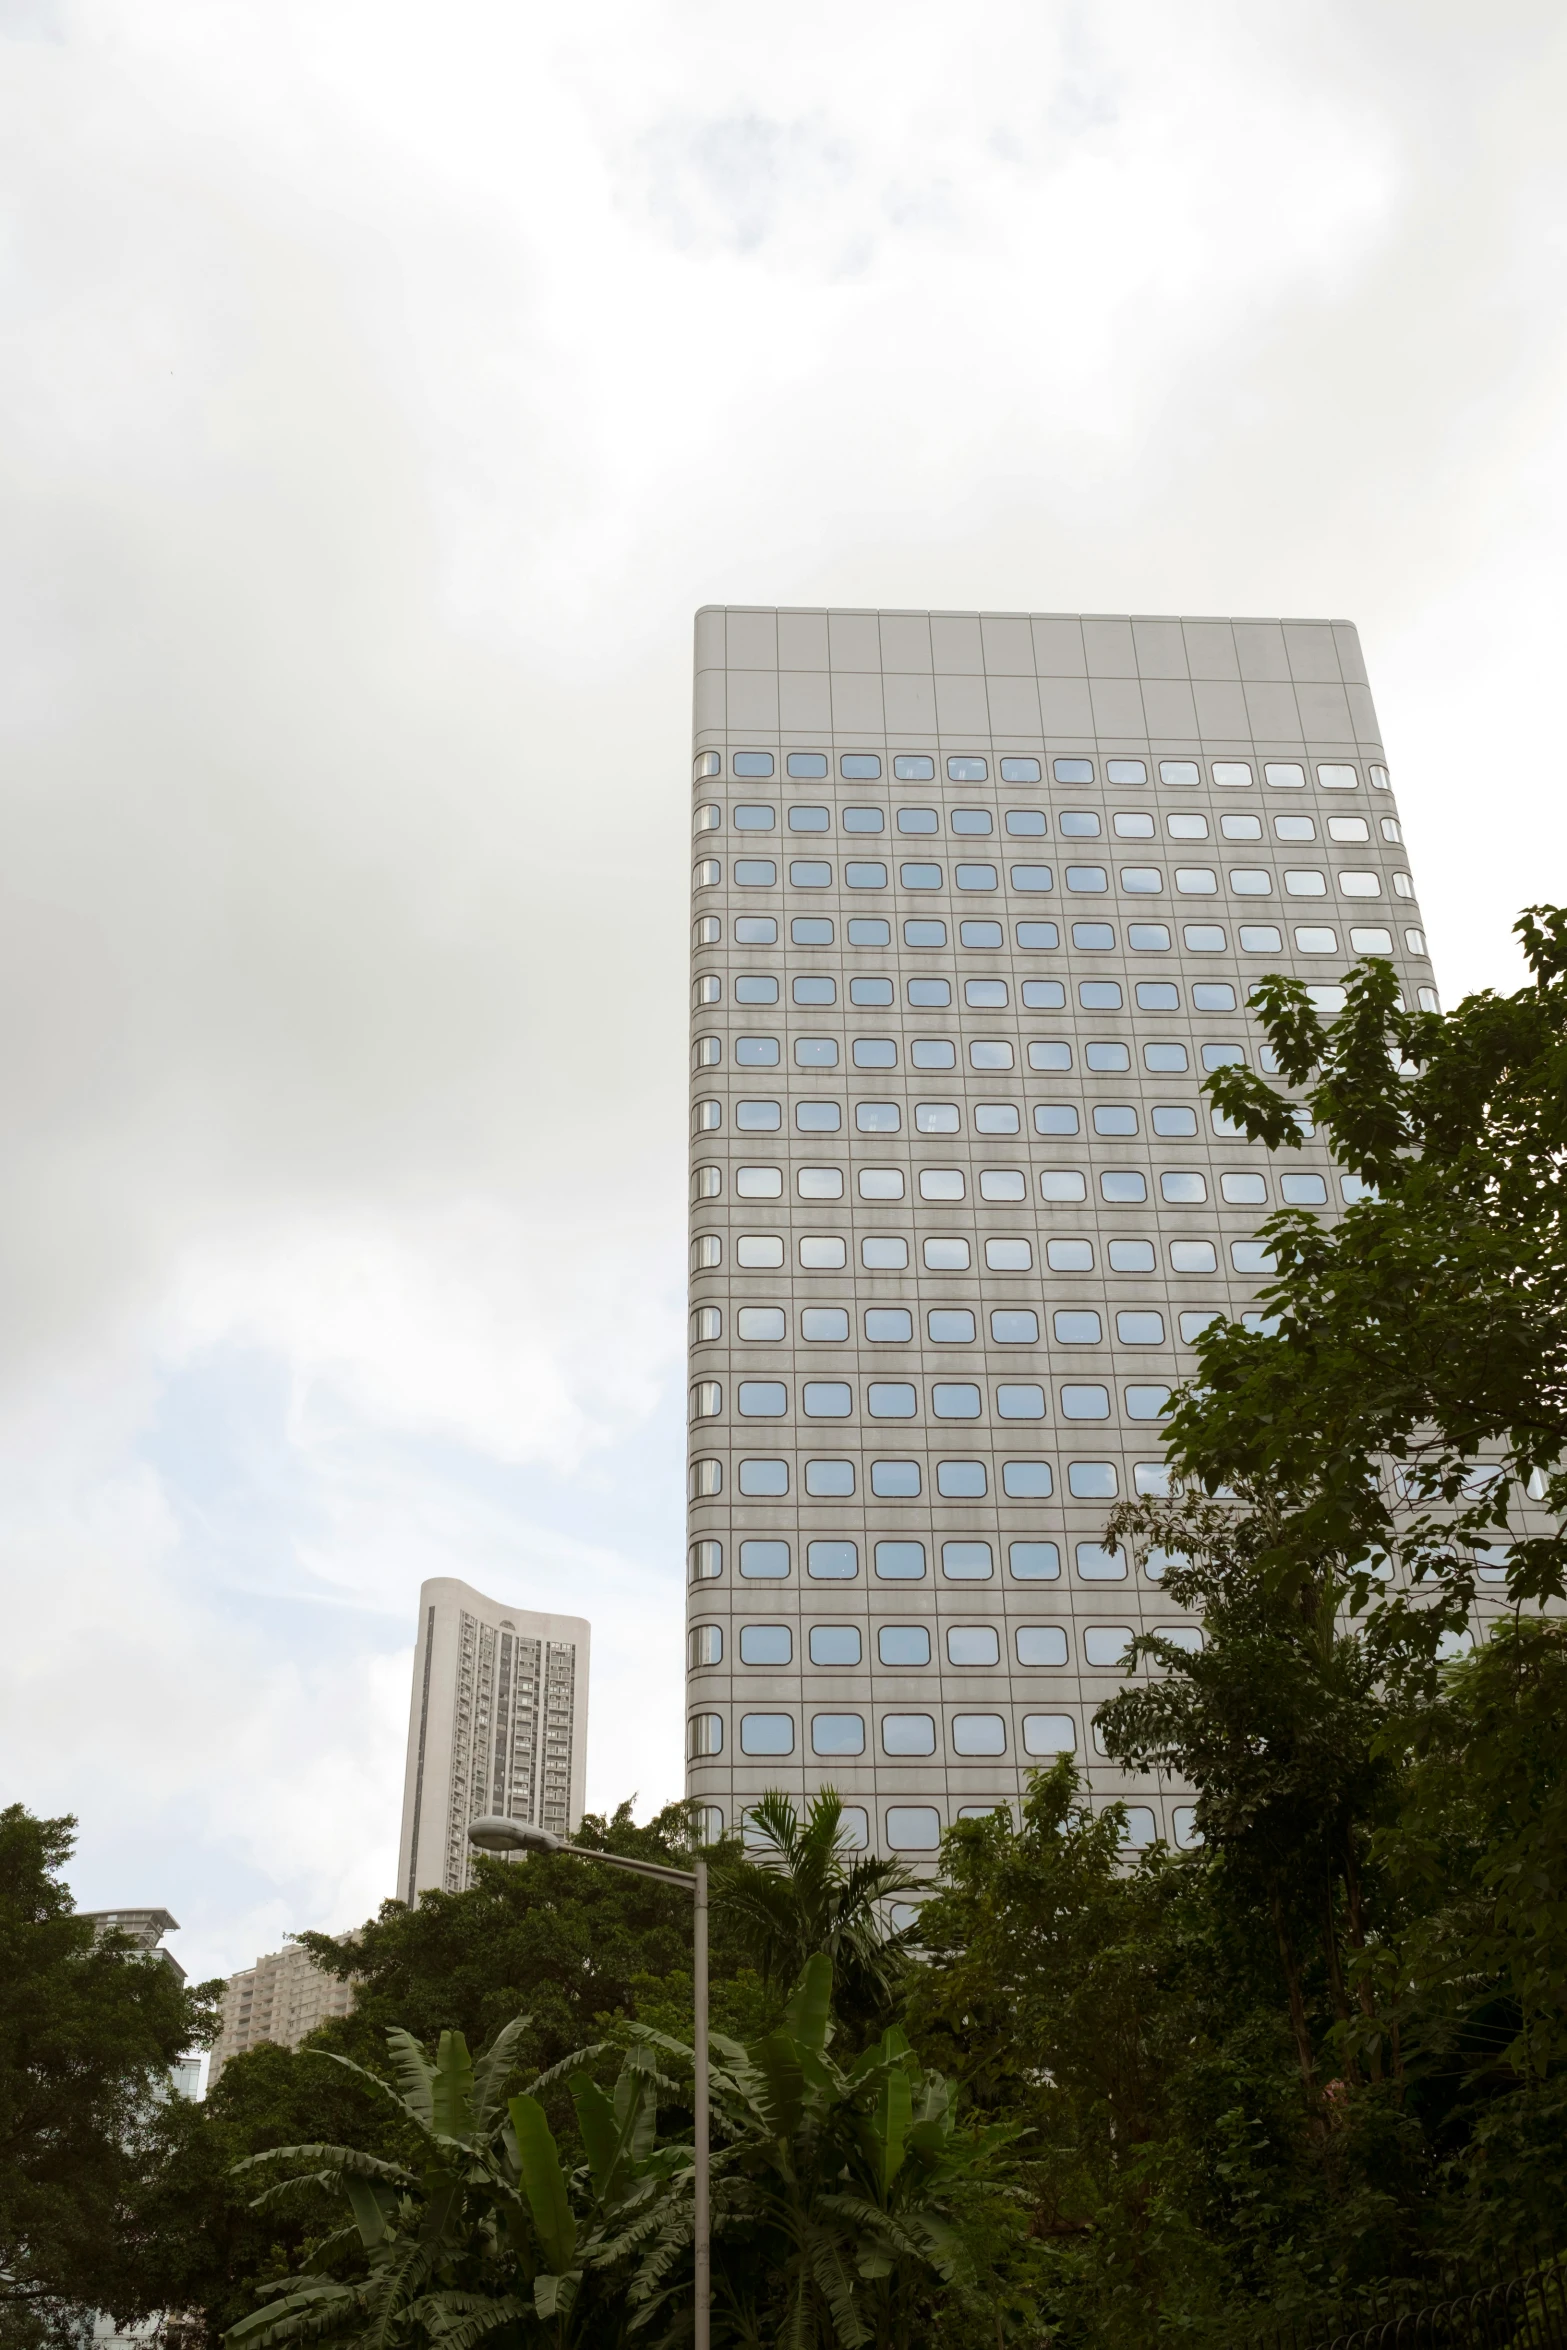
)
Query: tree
[
  {"x": 1427, "y": 1327},
  {"x": 1279, "y": 1722},
  {"x": 88, "y": 2030},
  {"x": 796, "y": 1891},
  {"x": 840, "y": 2198},
  {"x": 572, "y": 1946}
]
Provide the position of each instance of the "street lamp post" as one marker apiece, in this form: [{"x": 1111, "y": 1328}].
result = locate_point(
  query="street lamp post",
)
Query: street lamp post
[{"x": 495, "y": 1834}]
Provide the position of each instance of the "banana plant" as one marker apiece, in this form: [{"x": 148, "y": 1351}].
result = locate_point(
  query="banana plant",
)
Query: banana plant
[
  {"x": 846, "y": 2200},
  {"x": 484, "y": 2230}
]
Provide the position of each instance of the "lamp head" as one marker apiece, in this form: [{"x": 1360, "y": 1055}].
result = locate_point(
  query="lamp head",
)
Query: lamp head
[{"x": 492, "y": 1833}]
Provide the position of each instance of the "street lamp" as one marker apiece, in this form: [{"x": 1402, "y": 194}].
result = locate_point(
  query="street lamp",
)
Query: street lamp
[{"x": 495, "y": 1834}]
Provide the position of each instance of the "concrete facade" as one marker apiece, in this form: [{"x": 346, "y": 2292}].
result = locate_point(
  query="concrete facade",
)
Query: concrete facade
[
  {"x": 281, "y": 1998},
  {"x": 498, "y": 1723},
  {"x": 977, "y": 899}
]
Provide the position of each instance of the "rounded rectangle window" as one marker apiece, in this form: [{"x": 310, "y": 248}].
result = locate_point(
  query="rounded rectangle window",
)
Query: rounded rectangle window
[
  {"x": 1096, "y": 1564},
  {"x": 764, "y": 1479},
  {"x": 895, "y": 1480},
  {"x": 918, "y": 876},
  {"x": 748, "y": 764},
  {"x": 835, "y": 1644},
  {"x": 954, "y": 1399},
  {"x": 1140, "y": 1329},
  {"x": 836, "y": 1561},
  {"x": 1027, "y": 1480},
  {"x": 707, "y": 1400},
  {"x": 759, "y": 1252},
  {"x": 900, "y": 1562},
  {"x": 1179, "y": 772},
  {"x": 1062, "y": 1184},
  {"x": 818, "y": 1118},
  {"x": 1041, "y": 1644},
  {"x": 1033, "y": 1562},
  {"x": 908, "y": 1734},
  {"x": 837, "y": 1733},
  {"x": 1002, "y": 1183},
  {"x": 941, "y": 1183},
  {"x": 819, "y": 1182},
  {"x": 888, "y": 1325},
  {"x": 1173, "y": 1120},
  {"x": 1014, "y": 1326},
  {"x": 1147, "y": 938},
  {"x": 1334, "y": 778},
  {"x": 1020, "y": 1400},
  {"x": 978, "y": 1734},
  {"x": 764, "y": 1562},
  {"x": 829, "y": 1480},
  {"x": 1049, "y": 1734},
  {"x": 1093, "y": 938},
  {"x": 705, "y": 1561},
  {"x": 1085, "y": 1403},
  {"x": 766, "y": 1644},
  {"x": 1183, "y": 1187},
  {"x": 826, "y": 1399},
  {"x": 884, "y": 1252},
  {"x": 755, "y": 873},
  {"x": 704, "y": 1736},
  {"x": 903, "y": 1645},
  {"x": 808, "y": 766},
  {"x": 1121, "y": 1185},
  {"x": 1260, "y": 938},
  {"x": 880, "y": 1182},
  {"x": 967, "y": 770},
  {"x": 1092, "y": 1480},
  {"x": 1036, "y": 937},
  {"x": 913, "y": 1827},
  {"x": 870, "y": 991},
  {"x": 1072, "y": 770},
  {"x": 973, "y": 1644},
  {"x": 766, "y": 1734},
  {"x": 1001, "y": 1256},
  {"x": 1076, "y": 1327},
  {"x": 888, "y": 1399},
  {"x": 1014, "y": 771},
  {"x": 1145, "y": 1403},
  {"x": 975, "y": 877},
  {"x": 913, "y": 767},
  {"x": 967, "y": 1562},
  {"x": 864, "y": 873},
  {"x": 1203, "y": 938},
  {"x": 859, "y": 766},
  {"x": 759, "y": 1183},
  {"x": 924, "y": 934},
  {"x": 763, "y": 1399},
  {"x": 1192, "y": 1256},
  {"x": 704, "y": 1479}
]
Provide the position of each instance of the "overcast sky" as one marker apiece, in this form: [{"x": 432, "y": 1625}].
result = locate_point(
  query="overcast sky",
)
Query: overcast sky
[{"x": 382, "y": 388}]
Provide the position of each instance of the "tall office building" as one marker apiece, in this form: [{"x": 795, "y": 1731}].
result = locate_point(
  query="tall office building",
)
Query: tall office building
[
  {"x": 498, "y": 1723},
  {"x": 977, "y": 900}
]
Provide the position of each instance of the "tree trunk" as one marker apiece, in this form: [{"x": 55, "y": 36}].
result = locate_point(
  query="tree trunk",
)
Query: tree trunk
[{"x": 1298, "y": 2023}]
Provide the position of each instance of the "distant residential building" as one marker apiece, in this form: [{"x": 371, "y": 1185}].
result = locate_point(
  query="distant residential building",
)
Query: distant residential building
[
  {"x": 498, "y": 1723},
  {"x": 145, "y": 1927},
  {"x": 281, "y": 1998},
  {"x": 185, "y": 2077}
]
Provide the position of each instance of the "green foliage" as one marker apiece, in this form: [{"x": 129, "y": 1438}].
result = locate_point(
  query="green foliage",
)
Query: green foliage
[
  {"x": 568, "y": 1944},
  {"x": 796, "y": 1891},
  {"x": 1427, "y": 1326},
  {"x": 843, "y": 2198},
  {"x": 87, "y": 2034}
]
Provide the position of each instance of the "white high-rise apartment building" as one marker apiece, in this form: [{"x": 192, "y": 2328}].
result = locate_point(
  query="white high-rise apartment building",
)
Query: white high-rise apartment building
[
  {"x": 280, "y": 1999},
  {"x": 977, "y": 901},
  {"x": 498, "y": 1723}
]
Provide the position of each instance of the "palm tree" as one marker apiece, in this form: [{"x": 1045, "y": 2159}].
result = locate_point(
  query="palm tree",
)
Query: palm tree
[{"x": 798, "y": 1892}]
